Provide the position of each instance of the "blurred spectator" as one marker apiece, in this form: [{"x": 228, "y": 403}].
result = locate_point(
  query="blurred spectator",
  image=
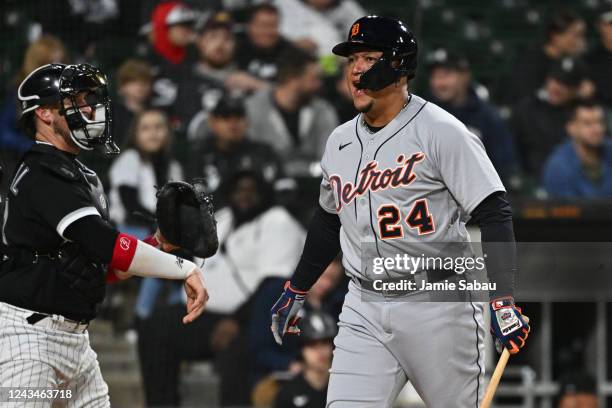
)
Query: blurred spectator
[
  {"x": 338, "y": 93},
  {"x": 307, "y": 26},
  {"x": 145, "y": 163},
  {"x": 260, "y": 49},
  {"x": 582, "y": 166},
  {"x": 226, "y": 148},
  {"x": 309, "y": 388},
  {"x": 202, "y": 84},
  {"x": 290, "y": 117},
  {"x": 578, "y": 390},
  {"x": 91, "y": 19},
  {"x": 451, "y": 88},
  {"x": 539, "y": 121},
  {"x": 134, "y": 80},
  {"x": 565, "y": 36},
  {"x": 258, "y": 241},
  {"x": 13, "y": 142},
  {"x": 326, "y": 296},
  {"x": 600, "y": 59},
  {"x": 171, "y": 32}
]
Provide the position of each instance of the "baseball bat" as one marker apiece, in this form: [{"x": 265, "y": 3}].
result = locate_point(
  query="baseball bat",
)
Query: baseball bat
[
  {"x": 499, "y": 370},
  {"x": 492, "y": 387}
]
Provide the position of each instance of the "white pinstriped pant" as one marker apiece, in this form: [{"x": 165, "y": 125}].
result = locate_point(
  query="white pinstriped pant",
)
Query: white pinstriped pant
[{"x": 39, "y": 357}]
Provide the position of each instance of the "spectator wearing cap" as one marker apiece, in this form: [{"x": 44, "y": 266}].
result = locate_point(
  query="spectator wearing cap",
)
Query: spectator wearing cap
[
  {"x": 565, "y": 37},
  {"x": 539, "y": 121},
  {"x": 581, "y": 167},
  {"x": 257, "y": 241},
  {"x": 309, "y": 388},
  {"x": 600, "y": 59},
  {"x": 202, "y": 83},
  {"x": 578, "y": 390},
  {"x": 289, "y": 116},
  {"x": 326, "y": 297},
  {"x": 451, "y": 88},
  {"x": 224, "y": 147},
  {"x": 260, "y": 48},
  {"x": 172, "y": 31}
]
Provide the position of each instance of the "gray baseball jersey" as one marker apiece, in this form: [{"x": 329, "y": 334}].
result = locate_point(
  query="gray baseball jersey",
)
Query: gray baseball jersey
[{"x": 404, "y": 188}]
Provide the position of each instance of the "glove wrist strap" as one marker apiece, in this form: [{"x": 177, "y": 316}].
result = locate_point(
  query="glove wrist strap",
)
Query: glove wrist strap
[{"x": 502, "y": 302}]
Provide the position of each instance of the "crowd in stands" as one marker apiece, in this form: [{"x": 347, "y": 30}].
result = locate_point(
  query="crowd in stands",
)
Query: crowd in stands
[{"x": 244, "y": 97}]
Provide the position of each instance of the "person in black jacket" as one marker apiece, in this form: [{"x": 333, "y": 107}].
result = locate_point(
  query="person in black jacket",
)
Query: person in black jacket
[
  {"x": 451, "y": 87},
  {"x": 309, "y": 389},
  {"x": 224, "y": 147}
]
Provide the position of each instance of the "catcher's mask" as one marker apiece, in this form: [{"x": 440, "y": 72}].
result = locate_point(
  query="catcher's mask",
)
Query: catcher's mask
[{"x": 58, "y": 83}]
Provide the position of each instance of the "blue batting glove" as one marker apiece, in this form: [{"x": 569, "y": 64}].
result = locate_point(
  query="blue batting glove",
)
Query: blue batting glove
[
  {"x": 508, "y": 324},
  {"x": 285, "y": 312}
]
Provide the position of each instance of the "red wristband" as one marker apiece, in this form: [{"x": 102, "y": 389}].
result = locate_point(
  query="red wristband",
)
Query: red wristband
[
  {"x": 111, "y": 277},
  {"x": 123, "y": 253},
  {"x": 152, "y": 241}
]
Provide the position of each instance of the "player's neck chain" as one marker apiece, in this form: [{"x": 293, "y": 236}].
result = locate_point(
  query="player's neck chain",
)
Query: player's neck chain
[{"x": 373, "y": 129}]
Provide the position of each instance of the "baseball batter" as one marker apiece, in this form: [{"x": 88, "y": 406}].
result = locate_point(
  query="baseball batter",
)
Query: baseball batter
[{"x": 401, "y": 177}]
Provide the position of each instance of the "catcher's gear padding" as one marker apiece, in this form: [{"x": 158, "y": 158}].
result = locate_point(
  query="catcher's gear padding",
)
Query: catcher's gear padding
[{"x": 186, "y": 219}]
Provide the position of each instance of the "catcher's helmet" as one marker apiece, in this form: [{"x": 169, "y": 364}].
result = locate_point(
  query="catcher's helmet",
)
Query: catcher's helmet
[
  {"x": 53, "y": 83},
  {"x": 388, "y": 35},
  {"x": 316, "y": 326}
]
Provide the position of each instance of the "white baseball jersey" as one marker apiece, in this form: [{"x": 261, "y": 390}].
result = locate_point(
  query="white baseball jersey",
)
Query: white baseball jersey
[{"x": 406, "y": 187}]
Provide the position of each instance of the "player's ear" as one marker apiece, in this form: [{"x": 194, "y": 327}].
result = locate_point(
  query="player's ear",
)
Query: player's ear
[{"x": 44, "y": 114}]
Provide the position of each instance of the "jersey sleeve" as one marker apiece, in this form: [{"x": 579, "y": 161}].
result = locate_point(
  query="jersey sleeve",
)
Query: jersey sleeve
[
  {"x": 61, "y": 202},
  {"x": 326, "y": 194},
  {"x": 464, "y": 166}
]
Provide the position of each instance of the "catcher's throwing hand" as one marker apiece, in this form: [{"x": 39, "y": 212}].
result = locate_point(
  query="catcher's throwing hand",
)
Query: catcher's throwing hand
[
  {"x": 508, "y": 325},
  {"x": 285, "y": 312},
  {"x": 186, "y": 220},
  {"x": 197, "y": 296}
]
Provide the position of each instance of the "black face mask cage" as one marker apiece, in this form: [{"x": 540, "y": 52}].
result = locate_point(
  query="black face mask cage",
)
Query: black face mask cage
[
  {"x": 88, "y": 134},
  {"x": 382, "y": 73}
]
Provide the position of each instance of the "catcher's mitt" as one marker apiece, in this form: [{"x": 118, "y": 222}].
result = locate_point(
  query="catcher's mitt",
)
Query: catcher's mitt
[{"x": 185, "y": 218}]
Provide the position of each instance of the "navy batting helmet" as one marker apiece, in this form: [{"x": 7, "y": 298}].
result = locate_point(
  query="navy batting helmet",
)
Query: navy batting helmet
[
  {"x": 316, "y": 326},
  {"x": 393, "y": 38},
  {"x": 51, "y": 84}
]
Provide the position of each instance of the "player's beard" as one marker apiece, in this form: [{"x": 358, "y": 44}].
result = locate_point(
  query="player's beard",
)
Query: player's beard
[
  {"x": 366, "y": 108},
  {"x": 63, "y": 132}
]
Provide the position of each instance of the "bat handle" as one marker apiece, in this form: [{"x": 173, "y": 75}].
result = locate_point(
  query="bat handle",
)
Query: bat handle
[{"x": 492, "y": 387}]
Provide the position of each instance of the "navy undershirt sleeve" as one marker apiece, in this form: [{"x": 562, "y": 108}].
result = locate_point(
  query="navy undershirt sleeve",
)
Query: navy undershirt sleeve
[
  {"x": 321, "y": 247},
  {"x": 494, "y": 217}
]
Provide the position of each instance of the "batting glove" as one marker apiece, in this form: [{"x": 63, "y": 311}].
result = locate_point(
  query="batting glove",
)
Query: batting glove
[
  {"x": 508, "y": 325},
  {"x": 285, "y": 312}
]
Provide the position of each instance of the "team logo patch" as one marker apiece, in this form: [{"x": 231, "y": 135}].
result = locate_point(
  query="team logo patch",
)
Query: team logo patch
[
  {"x": 508, "y": 322},
  {"x": 124, "y": 243},
  {"x": 355, "y": 29}
]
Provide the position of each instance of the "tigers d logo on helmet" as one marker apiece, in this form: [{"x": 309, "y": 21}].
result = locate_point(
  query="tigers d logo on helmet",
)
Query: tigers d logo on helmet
[{"x": 355, "y": 29}]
